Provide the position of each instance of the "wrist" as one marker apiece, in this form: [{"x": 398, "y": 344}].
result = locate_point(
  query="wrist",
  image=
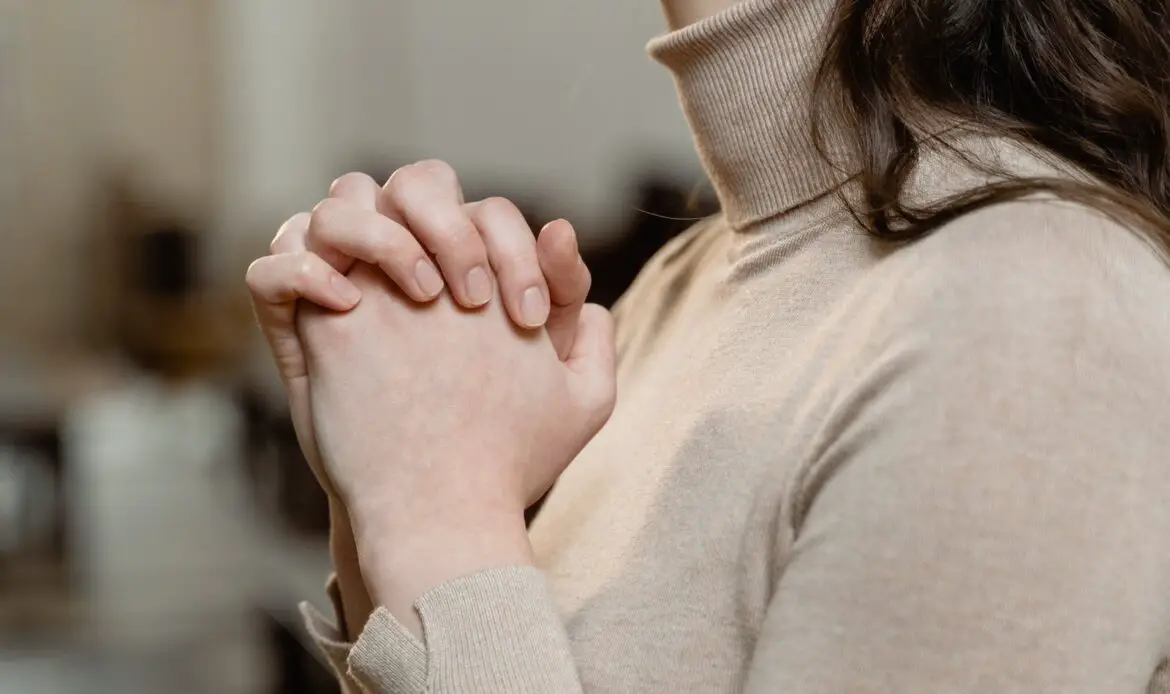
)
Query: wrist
[{"x": 403, "y": 561}]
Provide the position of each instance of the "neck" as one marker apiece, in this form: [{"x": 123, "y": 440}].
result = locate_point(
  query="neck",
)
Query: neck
[{"x": 680, "y": 13}]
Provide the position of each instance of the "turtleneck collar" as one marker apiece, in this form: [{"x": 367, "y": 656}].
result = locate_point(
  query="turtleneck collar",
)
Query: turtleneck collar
[{"x": 745, "y": 79}]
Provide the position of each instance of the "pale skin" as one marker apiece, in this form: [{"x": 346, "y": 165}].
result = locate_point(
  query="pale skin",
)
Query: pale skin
[
  {"x": 312, "y": 251},
  {"x": 416, "y": 501},
  {"x": 680, "y": 13}
]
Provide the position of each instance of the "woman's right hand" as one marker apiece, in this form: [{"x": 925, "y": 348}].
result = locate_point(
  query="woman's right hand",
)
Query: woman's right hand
[{"x": 419, "y": 215}]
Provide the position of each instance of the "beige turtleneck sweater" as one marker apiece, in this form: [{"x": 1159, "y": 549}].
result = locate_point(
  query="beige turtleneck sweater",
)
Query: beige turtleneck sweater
[{"x": 838, "y": 466}]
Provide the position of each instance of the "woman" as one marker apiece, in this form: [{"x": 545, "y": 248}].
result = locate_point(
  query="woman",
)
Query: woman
[{"x": 897, "y": 421}]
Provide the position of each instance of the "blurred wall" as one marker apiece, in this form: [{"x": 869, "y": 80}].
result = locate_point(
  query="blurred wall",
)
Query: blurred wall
[
  {"x": 305, "y": 89},
  {"x": 241, "y": 111},
  {"x": 555, "y": 92},
  {"x": 87, "y": 87},
  {"x": 45, "y": 133},
  {"x": 556, "y": 95}
]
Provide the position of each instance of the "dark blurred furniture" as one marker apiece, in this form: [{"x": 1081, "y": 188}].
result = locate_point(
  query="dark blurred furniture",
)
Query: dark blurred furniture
[
  {"x": 36, "y": 568},
  {"x": 284, "y": 490},
  {"x": 279, "y": 478},
  {"x": 664, "y": 209},
  {"x": 149, "y": 298},
  {"x": 296, "y": 671},
  {"x": 33, "y": 472}
]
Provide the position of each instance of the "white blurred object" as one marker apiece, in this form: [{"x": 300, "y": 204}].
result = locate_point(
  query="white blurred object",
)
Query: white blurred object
[{"x": 163, "y": 548}]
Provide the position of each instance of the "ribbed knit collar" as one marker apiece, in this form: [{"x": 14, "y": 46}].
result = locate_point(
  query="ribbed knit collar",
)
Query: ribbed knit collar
[{"x": 745, "y": 77}]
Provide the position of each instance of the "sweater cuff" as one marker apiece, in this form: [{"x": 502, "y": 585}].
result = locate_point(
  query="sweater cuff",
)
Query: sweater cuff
[
  {"x": 491, "y": 631},
  {"x": 406, "y": 659}
]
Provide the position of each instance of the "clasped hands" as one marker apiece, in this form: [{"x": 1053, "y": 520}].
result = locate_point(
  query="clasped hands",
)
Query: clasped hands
[{"x": 442, "y": 367}]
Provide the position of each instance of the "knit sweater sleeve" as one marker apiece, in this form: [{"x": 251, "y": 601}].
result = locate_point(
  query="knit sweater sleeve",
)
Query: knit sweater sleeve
[{"x": 491, "y": 631}]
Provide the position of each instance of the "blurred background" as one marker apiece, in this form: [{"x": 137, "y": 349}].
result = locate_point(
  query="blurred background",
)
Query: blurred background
[{"x": 157, "y": 526}]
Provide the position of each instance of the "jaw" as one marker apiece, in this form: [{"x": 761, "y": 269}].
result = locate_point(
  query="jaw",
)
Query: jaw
[{"x": 680, "y": 13}]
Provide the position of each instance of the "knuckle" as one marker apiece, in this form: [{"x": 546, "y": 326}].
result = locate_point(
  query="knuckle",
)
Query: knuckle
[
  {"x": 436, "y": 169},
  {"x": 428, "y": 173},
  {"x": 496, "y": 209},
  {"x": 405, "y": 178},
  {"x": 586, "y": 281},
  {"x": 324, "y": 215},
  {"x": 353, "y": 178},
  {"x": 396, "y": 177},
  {"x": 305, "y": 270},
  {"x": 327, "y": 207},
  {"x": 605, "y": 400},
  {"x": 252, "y": 275},
  {"x": 292, "y": 225},
  {"x": 598, "y": 406},
  {"x": 397, "y": 186}
]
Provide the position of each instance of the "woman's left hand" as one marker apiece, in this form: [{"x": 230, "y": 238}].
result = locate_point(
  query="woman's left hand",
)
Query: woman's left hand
[{"x": 439, "y": 425}]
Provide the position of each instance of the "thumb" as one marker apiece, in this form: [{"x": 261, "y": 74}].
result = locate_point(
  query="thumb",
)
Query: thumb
[
  {"x": 568, "y": 282},
  {"x": 592, "y": 361},
  {"x": 276, "y": 283}
]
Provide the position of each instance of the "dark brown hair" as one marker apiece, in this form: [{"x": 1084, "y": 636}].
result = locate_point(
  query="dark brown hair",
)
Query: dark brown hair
[{"x": 1086, "y": 80}]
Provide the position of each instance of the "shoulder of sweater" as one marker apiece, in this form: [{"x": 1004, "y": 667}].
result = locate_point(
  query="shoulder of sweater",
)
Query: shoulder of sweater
[
  {"x": 1047, "y": 283},
  {"x": 1028, "y": 328},
  {"x": 1037, "y": 254}
]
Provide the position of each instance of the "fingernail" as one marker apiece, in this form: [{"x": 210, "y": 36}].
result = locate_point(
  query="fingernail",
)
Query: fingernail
[
  {"x": 479, "y": 286},
  {"x": 430, "y": 282},
  {"x": 345, "y": 289},
  {"x": 534, "y": 307}
]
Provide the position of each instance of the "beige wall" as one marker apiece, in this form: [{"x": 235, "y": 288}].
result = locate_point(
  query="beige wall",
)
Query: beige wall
[
  {"x": 86, "y": 85},
  {"x": 158, "y": 104},
  {"x": 46, "y": 137}
]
